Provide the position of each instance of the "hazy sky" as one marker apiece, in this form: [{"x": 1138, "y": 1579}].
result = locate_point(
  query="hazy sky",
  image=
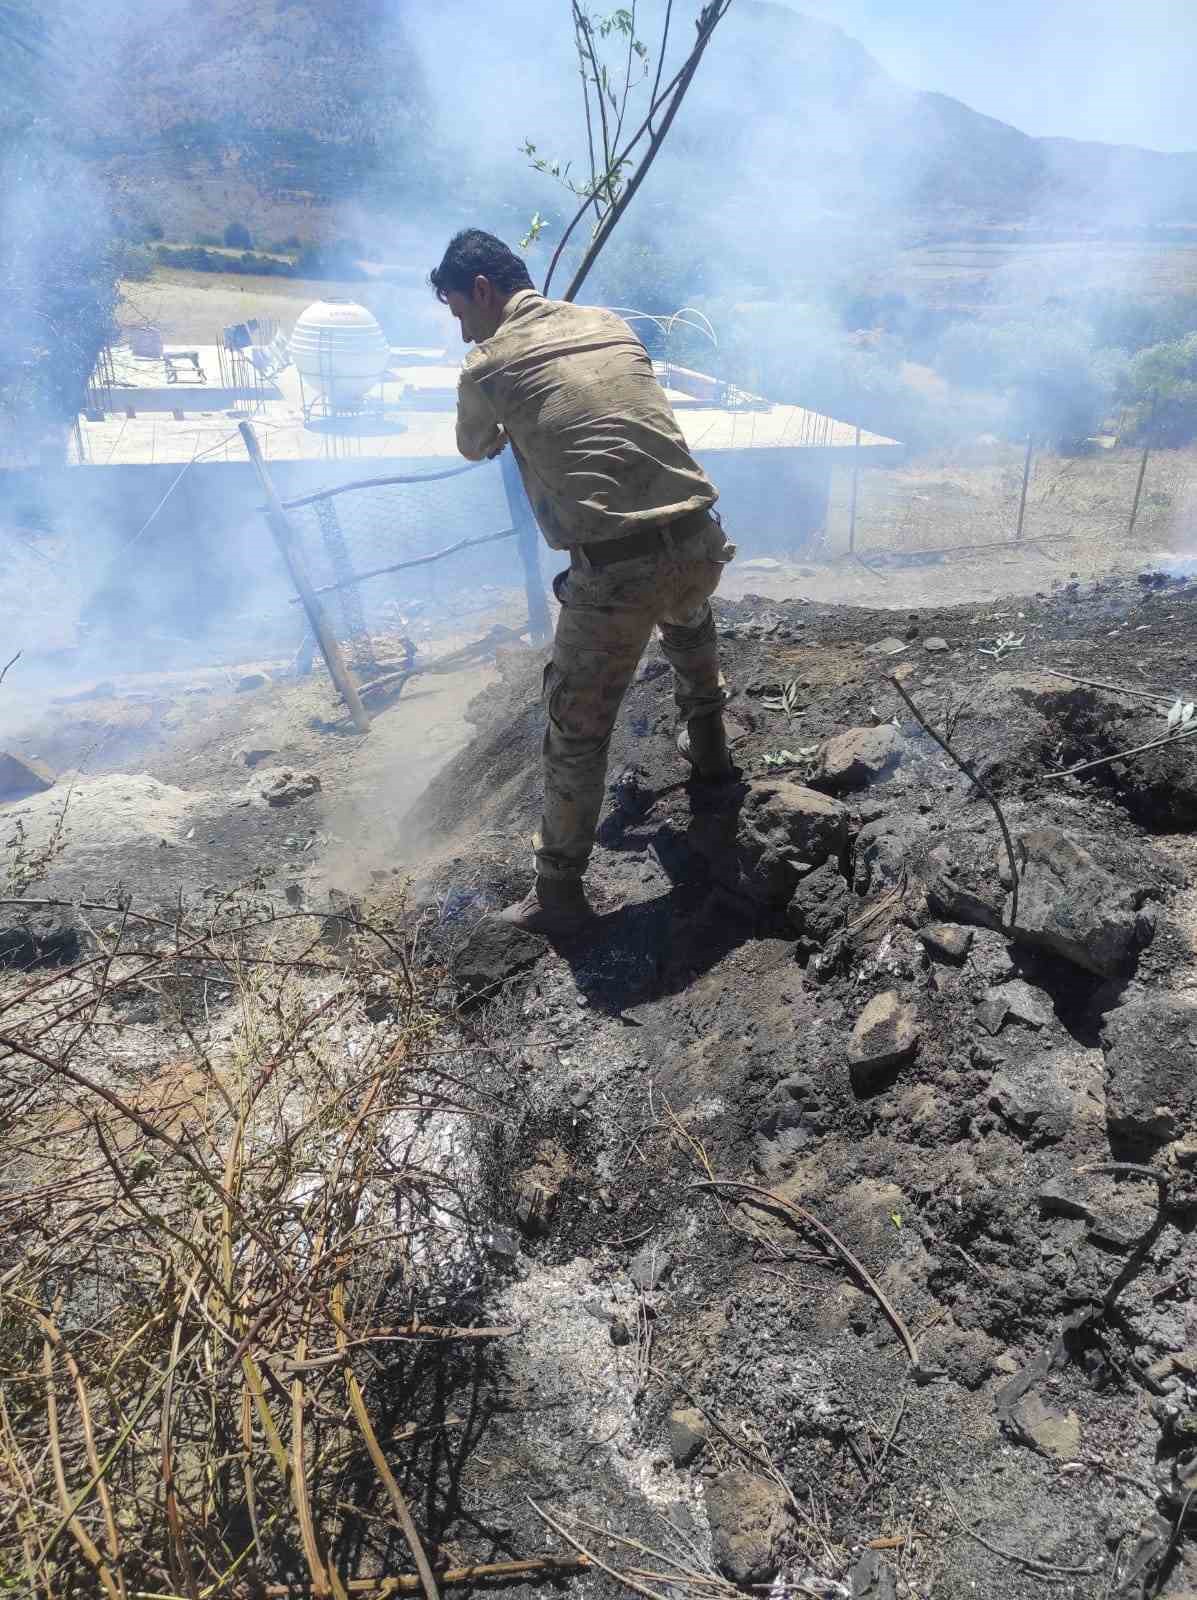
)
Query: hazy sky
[{"x": 1111, "y": 70}]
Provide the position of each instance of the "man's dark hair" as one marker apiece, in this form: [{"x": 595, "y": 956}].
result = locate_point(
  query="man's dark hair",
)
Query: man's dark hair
[{"x": 473, "y": 254}]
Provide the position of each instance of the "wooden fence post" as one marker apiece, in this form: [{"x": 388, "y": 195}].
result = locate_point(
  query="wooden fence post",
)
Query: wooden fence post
[
  {"x": 527, "y": 537},
  {"x": 284, "y": 537}
]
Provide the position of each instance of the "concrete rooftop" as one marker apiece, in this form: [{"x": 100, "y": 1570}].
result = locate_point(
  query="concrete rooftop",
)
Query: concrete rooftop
[{"x": 409, "y": 415}]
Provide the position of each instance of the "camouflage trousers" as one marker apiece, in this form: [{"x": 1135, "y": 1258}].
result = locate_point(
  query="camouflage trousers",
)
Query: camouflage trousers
[{"x": 607, "y": 618}]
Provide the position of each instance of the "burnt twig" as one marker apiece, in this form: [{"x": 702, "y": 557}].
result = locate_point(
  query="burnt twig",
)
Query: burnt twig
[
  {"x": 767, "y": 1197},
  {"x": 1133, "y": 1169},
  {"x": 1044, "y": 1569},
  {"x": 1173, "y": 1541},
  {"x": 983, "y": 788},
  {"x": 404, "y": 1583},
  {"x": 1121, "y": 755},
  {"x": 1114, "y": 688},
  {"x": 880, "y": 1461},
  {"x": 590, "y": 1557}
]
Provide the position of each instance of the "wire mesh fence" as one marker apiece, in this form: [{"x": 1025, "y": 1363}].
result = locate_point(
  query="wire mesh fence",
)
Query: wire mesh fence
[
  {"x": 376, "y": 547},
  {"x": 969, "y": 500}
]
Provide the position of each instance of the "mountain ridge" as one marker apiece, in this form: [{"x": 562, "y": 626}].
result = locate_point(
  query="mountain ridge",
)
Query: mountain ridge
[{"x": 288, "y": 109}]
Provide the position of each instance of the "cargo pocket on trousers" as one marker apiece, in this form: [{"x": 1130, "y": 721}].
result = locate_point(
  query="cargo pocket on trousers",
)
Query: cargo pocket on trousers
[{"x": 552, "y": 685}]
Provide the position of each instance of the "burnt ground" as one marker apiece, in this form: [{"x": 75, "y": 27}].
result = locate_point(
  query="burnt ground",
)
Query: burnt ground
[
  {"x": 706, "y": 1026},
  {"x": 702, "y": 1024}
]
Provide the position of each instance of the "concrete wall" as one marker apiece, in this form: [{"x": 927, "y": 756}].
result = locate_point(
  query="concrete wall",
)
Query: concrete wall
[{"x": 772, "y": 502}]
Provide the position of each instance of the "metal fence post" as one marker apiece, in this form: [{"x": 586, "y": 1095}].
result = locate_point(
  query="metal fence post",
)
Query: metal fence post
[
  {"x": 1026, "y": 478},
  {"x": 1130, "y": 527},
  {"x": 855, "y": 483},
  {"x": 284, "y": 537},
  {"x": 528, "y": 540}
]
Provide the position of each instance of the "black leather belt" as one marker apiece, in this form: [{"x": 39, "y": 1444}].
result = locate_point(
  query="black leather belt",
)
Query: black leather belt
[{"x": 645, "y": 543}]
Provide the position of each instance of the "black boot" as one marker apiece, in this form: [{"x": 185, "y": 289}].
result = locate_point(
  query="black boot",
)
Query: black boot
[{"x": 703, "y": 742}]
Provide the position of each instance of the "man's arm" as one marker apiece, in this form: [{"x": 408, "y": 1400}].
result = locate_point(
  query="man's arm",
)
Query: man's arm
[{"x": 479, "y": 434}]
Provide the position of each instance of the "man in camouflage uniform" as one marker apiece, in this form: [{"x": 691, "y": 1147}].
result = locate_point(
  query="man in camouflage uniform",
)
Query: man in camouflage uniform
[{"x": 572, "y": 391}]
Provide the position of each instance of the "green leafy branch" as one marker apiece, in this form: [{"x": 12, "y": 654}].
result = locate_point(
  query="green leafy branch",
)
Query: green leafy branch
[{"x": 616, "y": 165}]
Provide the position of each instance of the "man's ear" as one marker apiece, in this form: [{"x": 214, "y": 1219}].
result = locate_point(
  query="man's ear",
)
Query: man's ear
[{"x": 483, "y": 291}]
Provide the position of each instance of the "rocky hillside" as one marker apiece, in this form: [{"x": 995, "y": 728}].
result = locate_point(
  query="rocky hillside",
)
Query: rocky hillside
[
  {"x": 344, "y": 75},
  {"x": 829, "y": 996},
  {"x": 306, "y": 104},
  {"x": 830, "y": 127},
  {"x": 822, "y": 1219},
  {"x": 270, "y": 112}
]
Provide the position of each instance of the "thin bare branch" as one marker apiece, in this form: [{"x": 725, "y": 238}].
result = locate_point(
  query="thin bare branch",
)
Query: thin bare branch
[
  {"x": 768, "y": 1198},
  {"x": 982, "y": 788}
]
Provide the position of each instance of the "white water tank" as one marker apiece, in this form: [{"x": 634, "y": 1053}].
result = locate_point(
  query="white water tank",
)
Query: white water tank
[{"x": 340, "y": 350}]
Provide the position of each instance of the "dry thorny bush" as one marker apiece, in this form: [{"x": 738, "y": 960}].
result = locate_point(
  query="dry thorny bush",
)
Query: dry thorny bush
[
  {"x": 235, "y": 1245},
  {"x": 214, "y": 1245}
]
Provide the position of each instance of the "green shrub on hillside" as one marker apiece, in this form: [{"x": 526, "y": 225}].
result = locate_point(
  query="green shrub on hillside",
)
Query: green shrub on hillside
[
  {"x": 196, "y": 258},
  {"x": 60, "y": 262},
  {"x": 136, "y": 264},
  {"x": 1130, "y": 323},
  {"x": 1057, "y": 385},
  {"x": 137, "y": 229},
  {"x": 1161, "y": 385},
  {"x": 336, "y": 259}
]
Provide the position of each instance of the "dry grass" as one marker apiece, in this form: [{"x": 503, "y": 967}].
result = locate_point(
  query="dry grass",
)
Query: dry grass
[
  {"x": 1017, "y": 273},
  {"x": 971, "y": 498},
  {"x": 197, "y": 305},
  {"x": 213, "y": 1254}
]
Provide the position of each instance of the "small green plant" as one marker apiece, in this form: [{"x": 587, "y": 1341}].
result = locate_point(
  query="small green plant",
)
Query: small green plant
[
  {"x": 789, "y": 758},
  {"x": 786, "y": 701},
  {"x": 535, "y": 228},
  {"x": 1003, "y": 644}
]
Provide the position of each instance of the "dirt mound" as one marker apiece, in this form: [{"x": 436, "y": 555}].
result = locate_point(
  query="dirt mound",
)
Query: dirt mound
[{"x": 97, "y": 814}]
